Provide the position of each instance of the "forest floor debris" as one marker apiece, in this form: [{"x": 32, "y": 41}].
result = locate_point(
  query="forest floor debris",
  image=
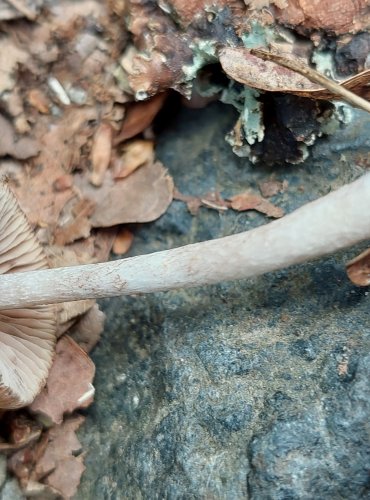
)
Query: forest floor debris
[{"x": 79, "y": 152}]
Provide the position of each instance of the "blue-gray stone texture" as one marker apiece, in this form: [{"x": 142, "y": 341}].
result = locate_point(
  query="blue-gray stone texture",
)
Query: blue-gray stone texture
[{"x": 255, "y": 389}]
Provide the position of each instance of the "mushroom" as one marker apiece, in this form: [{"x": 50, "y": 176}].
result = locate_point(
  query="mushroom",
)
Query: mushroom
[
  {"x": 333, "y": 222},
  {"x": 27, "y": 334},
  {"x": 27, "y": 325}
]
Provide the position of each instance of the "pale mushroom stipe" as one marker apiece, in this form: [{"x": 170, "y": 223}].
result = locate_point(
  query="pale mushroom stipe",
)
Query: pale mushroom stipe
[{"x": 333, "y": 222}]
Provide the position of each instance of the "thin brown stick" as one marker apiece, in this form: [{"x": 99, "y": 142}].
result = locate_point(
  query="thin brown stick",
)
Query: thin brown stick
[{"x": 314, "y": 76}]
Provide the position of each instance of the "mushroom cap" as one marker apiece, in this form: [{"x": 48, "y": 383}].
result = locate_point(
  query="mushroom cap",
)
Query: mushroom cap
[{"x": 27, "y": 336}]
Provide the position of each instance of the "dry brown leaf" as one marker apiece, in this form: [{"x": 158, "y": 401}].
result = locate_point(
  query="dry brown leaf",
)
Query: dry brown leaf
[
  {"x": 358, "y": 269},
  {"x": 142, "y": 197},
  {"x": 101, "y": 153},
  {"x": 242, "y": 66},
  {"x": 123, "y": 242},
  {"x": 211, "y": 200},
  {"x": 86, "y": 332},
  {"x": 79, "y": 228},
  {"x": 20, "y": 148},
  {"x": 271, "y": 187},
  {"x": 338, "y": 16},
  {"x": 250, "y": 201},
  {"x": 139, "y": 116},
  {"x": 51, "y": 468},
  {"x": 98, "y": 246},
  {"x": 67, "y": 476},
  {"x": 61, "y": 149},
  {"x": 59, "y": 465},
  {"x": 76, "y": 222},
  {"x": 69, "y": 385},
  {"x": 10, "y": 56},
  {"x": 135, "y": 154}
]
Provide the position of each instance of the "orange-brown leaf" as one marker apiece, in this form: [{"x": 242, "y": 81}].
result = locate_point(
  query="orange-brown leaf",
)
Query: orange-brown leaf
[
  {"x": 242, "y": 66},
  {"x": 358, "y": 269},
  {"x": 139, "y": 116},
  {"x": 249, "y": 201},
  {"x": 123, "y": 242}
]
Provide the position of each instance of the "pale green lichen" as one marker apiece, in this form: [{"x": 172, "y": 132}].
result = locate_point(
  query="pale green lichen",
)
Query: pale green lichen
[
  {"x": 245, "y": 101},
  {"x": 342, "y": 115},
  {"x": 324, "y": 62},
  {"x": 204, "y": 52},
  {"x": 258, "y": 36}
]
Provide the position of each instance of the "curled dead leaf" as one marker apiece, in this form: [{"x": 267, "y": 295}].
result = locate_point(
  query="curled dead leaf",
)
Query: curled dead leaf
[
  {"x": 242, "y": 66},
  {"x": 123, "y": 242},
  {"x": 139, "y": 116},
  {"x": 358, "y": 269}
]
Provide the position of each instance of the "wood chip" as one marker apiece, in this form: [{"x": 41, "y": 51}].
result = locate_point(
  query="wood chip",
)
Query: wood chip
[
  {"x": 101, "y": 153},
  {"x": 135, "y": 154}
]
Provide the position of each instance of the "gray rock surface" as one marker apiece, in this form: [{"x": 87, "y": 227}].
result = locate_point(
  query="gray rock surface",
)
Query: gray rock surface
[
  {"x": 254, "y": 389},
  {"x": 11, "y": 490}
]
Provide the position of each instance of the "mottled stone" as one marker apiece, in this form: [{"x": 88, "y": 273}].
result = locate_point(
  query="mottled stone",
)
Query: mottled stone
[
  {"x": 254, "y": 389},
  {"x": 11, "y": 490}
]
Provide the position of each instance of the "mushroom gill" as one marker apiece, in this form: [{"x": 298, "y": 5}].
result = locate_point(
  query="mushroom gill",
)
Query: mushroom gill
[{"x": 27, "y": 335}]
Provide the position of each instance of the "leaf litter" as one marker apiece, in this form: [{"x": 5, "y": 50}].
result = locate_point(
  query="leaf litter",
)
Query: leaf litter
[
  {"x": 78, "y": 152},
  {"x": 64, "y": 149}
]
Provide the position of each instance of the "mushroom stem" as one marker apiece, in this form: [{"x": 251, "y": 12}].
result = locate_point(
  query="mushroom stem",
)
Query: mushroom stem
[{"x": 333, "y": 222}]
